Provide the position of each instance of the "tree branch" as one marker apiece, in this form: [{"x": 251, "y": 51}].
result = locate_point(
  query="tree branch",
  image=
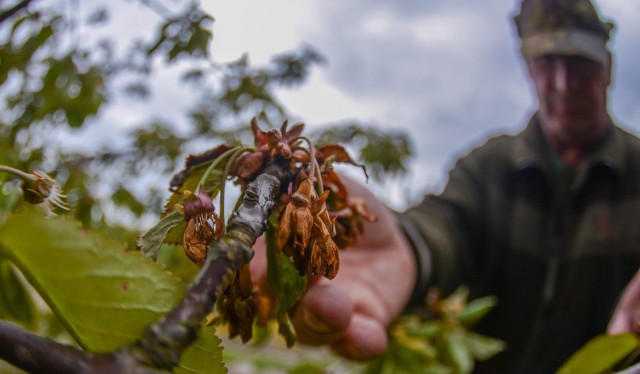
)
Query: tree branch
[
  {"x": 13, "y": 10},
  {"x": 162, "y": 344}
]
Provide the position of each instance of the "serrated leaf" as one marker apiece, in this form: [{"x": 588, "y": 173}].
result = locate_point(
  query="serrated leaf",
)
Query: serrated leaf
[
  {"x": 176, "y": 233},
  {"x": 285, "y": 281},
  {"x": 204, "y": 356},
  {"x": 151, "y": 240},
  {"x": 104, "y": 295},
  {"x": 483, "y": 347},
  {"x": 15, "y": 302},
  {"x": 600, "y": 354}
]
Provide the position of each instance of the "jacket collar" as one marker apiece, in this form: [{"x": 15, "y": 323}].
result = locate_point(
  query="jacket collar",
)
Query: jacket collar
[{"x": 532, "y": 150}]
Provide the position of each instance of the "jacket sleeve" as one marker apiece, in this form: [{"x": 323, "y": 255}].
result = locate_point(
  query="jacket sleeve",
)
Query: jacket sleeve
[{"x": 451, "y": 225}]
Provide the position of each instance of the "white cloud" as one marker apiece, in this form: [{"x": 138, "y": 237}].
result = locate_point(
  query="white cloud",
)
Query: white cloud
[{"x": 261, "y": 28}]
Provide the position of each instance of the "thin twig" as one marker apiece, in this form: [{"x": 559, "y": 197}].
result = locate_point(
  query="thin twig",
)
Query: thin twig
[{"x": 13, "y": 10}]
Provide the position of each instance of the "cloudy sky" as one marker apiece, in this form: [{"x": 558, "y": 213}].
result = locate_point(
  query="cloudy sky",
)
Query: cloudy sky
[{"x": 447, "y": 72}]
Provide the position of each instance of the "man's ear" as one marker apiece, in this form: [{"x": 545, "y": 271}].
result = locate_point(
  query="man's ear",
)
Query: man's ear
[{"x": 608, "y": 67}]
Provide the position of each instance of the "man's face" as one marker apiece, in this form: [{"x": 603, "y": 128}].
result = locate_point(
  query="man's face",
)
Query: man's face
[{"x": 572, "y": 93}]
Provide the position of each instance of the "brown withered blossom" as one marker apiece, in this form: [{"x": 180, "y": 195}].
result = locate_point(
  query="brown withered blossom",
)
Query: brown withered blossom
[
  {"x": 236, "y": 305},
  {"x": 296, "y": 223},
  {"x": 324, "y": 259},
  {"x": 348, "y": 214},
  {"x": 273, "y": 143},
  {"x": 349, "y": 221},
  {"x": 203, "y": 224},
  {"x": 305, "y": 232},
  {"x": 240, "y": 304},
  {"x": 40, "y": 189}
]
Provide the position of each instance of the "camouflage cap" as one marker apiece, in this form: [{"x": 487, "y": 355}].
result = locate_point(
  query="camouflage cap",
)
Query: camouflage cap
[{"x": 568, "y": 27}]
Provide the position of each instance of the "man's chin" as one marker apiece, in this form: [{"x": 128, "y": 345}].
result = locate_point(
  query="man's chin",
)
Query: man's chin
[{"x": 574, "y": 130}]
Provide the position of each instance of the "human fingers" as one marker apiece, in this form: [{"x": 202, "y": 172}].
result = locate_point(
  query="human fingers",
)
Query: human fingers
[
  {"x": 619, "y": 324},
  {"x": 626, "y": 316},
  {"x": 365, "y": 338},
  {"x": 323, "y": 315},
  {"x": 258, "y": 264},
  {"x": 329, "y": 314}
]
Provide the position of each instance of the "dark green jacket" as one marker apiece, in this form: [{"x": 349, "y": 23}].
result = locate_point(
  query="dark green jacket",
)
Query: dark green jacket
[{"x": 555, "y": 246}]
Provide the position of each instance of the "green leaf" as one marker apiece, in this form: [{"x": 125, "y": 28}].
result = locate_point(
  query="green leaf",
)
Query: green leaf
[
  {"x": 425, "y": 329},
  {"x": 483, "y": 347},
  {"x": 458, "y": 352},
  {"x": 476, "y": 310},
  {"x": 285, "y": 282},
  {"x": 204, "y": 356},
  {"x": 600, "y": 354},
  {"x": 104, "y": 295},
  {"x": 400, "y": 359},
  {"x": 15, "y": 302},
  {"x": 151, "y": 240}
]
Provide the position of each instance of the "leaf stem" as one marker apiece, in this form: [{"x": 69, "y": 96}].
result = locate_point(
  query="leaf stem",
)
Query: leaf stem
[
  {"x": 315, "y": 168},
  {"x": 215, "y": 164},
  {"x": 17, "y": 172},
  {"x": 232, "y": 160}
]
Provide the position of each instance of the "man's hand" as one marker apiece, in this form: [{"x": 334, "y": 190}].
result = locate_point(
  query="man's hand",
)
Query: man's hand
[
  {"x": 626, "y": 317},
  {"x": 351, "y": 313}
]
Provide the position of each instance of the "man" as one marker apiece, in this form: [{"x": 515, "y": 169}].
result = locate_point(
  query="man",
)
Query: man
[{"x": 545, "y": 220}]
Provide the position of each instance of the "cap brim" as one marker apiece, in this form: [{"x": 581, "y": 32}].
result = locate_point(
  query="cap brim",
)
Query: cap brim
[{"x": 565, "y": 42}]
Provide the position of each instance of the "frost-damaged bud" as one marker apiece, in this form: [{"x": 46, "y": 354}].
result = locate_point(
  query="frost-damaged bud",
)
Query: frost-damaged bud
[
  {"x": 324, "y": 259},
  {"x": 43, "y": 190},
  {"x": 240, "y": 304},
  {"x": 203, "y": 224},
  {"x": 350, "y": 221},
  {"x": 294, "y": 230},
  {"x": 305, "y": 233}
]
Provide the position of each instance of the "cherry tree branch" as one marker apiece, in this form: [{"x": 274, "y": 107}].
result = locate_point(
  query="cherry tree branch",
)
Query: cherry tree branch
[
  {"x": 160, "y": 347},
  {"x": 13, "y": 10}
]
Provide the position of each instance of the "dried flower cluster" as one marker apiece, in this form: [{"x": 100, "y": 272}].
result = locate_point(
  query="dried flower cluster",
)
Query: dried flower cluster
[
  {"x": 316, "y": 215},
  {"x": 305, "y": 233},
  {"x": 272, "y": 144}
]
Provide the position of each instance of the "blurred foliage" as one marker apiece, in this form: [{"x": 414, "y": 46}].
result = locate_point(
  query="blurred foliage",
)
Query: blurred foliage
[
  {"x": 385, "y": 152},
  {"x": 439, "y": 339},
  {"x": 604, "y": 354}
]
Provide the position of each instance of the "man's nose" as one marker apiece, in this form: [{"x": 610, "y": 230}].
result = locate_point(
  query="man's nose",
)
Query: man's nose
[{"x": 565, "y": 78}]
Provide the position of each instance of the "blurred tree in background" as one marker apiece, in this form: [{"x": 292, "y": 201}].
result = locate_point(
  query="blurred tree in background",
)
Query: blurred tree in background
[{"x": 56, "y": 80}]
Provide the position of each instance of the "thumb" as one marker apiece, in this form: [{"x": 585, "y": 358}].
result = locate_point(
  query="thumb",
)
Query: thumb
[{"x": 326, "y": 315}]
